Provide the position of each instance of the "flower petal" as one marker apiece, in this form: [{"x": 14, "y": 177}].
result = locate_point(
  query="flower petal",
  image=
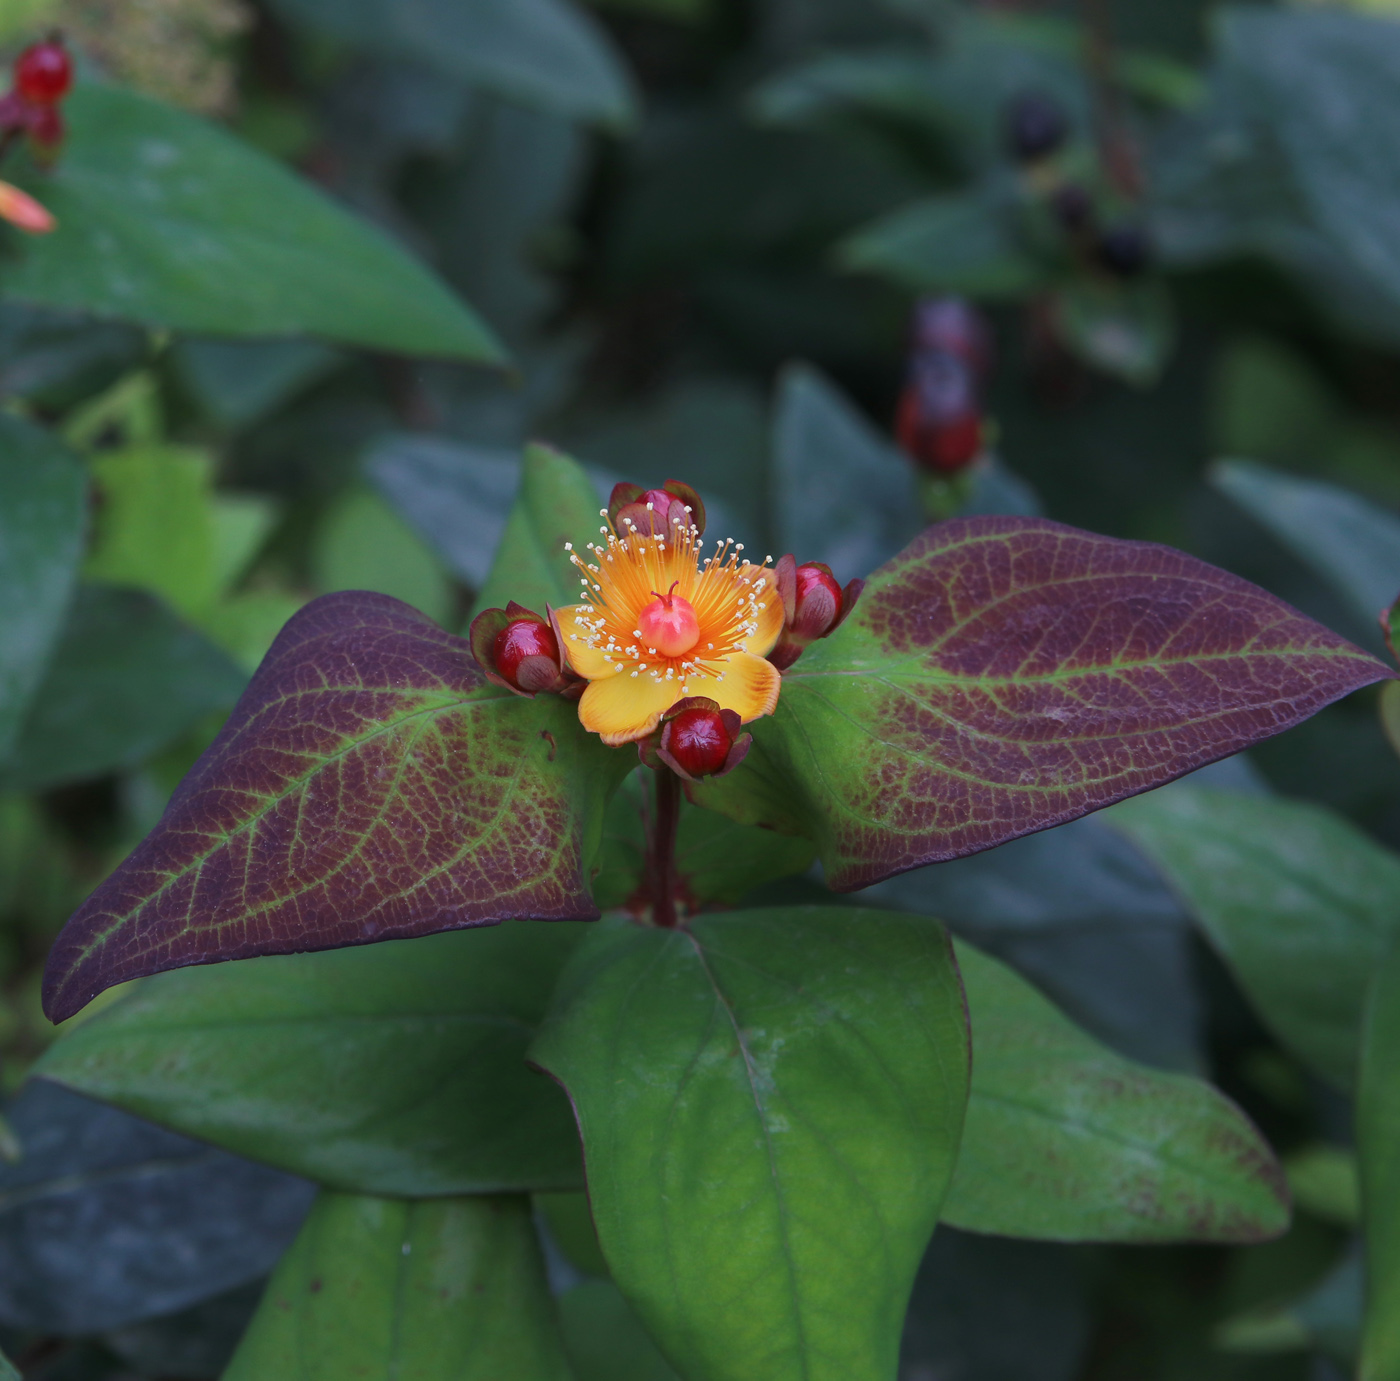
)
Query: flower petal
[
  {"x": 750, "y": 686},
  {"x": 770, "y": 616},
  {"x": 587, "y": 661},
  {"x": 622, "y": 708}
]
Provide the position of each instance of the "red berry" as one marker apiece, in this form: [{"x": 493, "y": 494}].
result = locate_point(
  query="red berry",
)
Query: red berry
[
  {"x": 699, "y": 741},
  {"x": 526, "y": 654},
  {"x": 44, "y": 72}
]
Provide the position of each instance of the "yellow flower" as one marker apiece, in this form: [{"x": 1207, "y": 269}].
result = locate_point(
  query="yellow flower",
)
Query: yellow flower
[{"x": 662, "y": 622}]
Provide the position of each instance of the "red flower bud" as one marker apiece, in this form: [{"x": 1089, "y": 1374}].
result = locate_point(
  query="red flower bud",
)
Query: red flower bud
[
  {"x": 697, "y": 739},
  {"x": 519, "y": 650},
  {"x": 813, "y": 605},
  {"x": 653, "y": 512},
  {"x": 939, "y": 423},
  {"x": 44, "y": 72}
]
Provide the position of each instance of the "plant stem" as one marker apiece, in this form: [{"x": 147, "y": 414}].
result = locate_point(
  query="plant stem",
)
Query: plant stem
[
  {"x": 661, "y": 848},
  {"x": 1119, "y": 156}
]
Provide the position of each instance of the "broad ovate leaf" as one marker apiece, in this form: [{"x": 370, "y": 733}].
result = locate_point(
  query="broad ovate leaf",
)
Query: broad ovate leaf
[
  {"x": 1299, "y": 903},
  {"x": 1002, "y": 675},
  {"x": 1378, "y": 1141},
  {"x": 1066, "y": 1140},
  {"x": 167, "y": 220},
  {"x": 396, "y": 1069},
  {"x": 391, "y": 1289},
  {"x": 43, "y": 511},
  {"x": 770, "y": 1104},
  {"x": 369, "y": 785}
]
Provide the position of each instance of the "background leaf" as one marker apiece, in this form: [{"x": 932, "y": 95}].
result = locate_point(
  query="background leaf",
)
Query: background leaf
[
  {"x": 1352, "y": 544},
  {"x": 843, "y": 494},
  {"x": 169, "y": 221},
  {"x": 1300, "y": 904},
  {"x": 457, "y": 496},
  {"x": 1378, "y": 1141},
  {"x": 127, "y": 677},
  {"x": 1002, "y": 675},
  {"x": 435, "y": 1289},
  {"x": 106, "y": 1220},
  {"x": 546, "y": 53},
  {"x": 556, "y": 503},
  {"x": 321, "y": 815},
  {"x": 1067, "y": 1141},
  {"x": 770, "y": 1104},
  {"x": 605, "y": 1339},
  {"x": 397, "y": 1070},
  {"x": 42, "y": 517}
]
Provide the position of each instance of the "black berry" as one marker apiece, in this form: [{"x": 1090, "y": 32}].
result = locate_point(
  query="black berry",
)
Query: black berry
[
  {"x": 1036, "y": 126},
  {"x": 1124, "y": 250}
]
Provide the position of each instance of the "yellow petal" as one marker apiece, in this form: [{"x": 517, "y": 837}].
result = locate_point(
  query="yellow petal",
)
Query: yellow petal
[
  {"x": 750, "y": 686},
  {"x": 770, "y": 616},
  {"x": 622, "y": 708},
  {"x": 587, "y": 661}
]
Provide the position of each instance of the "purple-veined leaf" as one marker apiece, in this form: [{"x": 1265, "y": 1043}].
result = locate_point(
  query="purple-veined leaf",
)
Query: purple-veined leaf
[
  {"x": 369, "y": 785},
  {"x": 1002, "y": 675}
]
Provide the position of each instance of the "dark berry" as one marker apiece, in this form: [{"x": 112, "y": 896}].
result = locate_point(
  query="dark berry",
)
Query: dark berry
[
  {"x": 1035, "y": 125},
  {"x": 1124, "y": 250},
  {"x": 1073, "y": 207},
  {"x": 44, "y": 72}
]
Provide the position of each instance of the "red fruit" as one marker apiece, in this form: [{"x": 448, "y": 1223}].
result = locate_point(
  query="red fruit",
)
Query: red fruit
[
  {"x": 44, "y": 72},
  {"x": 526, "y": 654},
  {"x": 698, "y": 741},
  {"x": 940, "y": 429}
]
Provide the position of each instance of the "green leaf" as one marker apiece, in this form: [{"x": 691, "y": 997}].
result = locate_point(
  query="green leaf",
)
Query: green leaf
[
  {"x": 394, "y": 1069},
  {"x": 1325, "y": 1181},
  {"x": 363, "y": 544},
  {"x": 7, "y": 1370},
  {"x": 1351, "y": 543},
  {"x": 770, "y": 1104},
  {"x": 387, "y": 1289},
  {"x": 42, "y": 515},
  {"x": 843, "y": 494},
  {"x": 544, "y": 53},
  {"x": 1378, "y": 1145},
  {"x": 126, "y": 678},
  {"x": 1124, "y": 329},
  {"x": 557, "y": 503},
  {"x": 605, "y": 1338},
  {"x": 957, "y": 243},
  {"x": 1066, "y": 1140},
  {"x": 1325, "y": 80},
  {"x": 717, "y": 859},
  {"x": 169, "y": 221},
  {"x": 1299, "y": 903}
]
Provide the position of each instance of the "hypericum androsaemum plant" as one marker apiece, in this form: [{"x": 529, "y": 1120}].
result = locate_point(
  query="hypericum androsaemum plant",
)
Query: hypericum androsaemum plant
[{"x": 774, "y": 1106}]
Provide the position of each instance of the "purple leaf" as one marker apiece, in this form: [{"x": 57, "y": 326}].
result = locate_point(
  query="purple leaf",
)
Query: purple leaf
[
  {"x": 369, "y": 785},
  {"x": 1002, "y": 675}
]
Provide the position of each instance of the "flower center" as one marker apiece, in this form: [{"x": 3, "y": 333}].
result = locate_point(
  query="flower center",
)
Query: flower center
[{"x": 668, "y": 624}]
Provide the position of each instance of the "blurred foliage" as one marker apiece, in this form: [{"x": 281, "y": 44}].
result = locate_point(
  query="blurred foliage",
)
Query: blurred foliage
[{"x": 700, "y": 227}]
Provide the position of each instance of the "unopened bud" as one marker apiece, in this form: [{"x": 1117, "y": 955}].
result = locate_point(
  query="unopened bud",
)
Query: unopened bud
[
  {"x": 697, "y": 739},
  {"x": 21, "y": 210},
  {"x": 655, "y": 512},
  {"x": 939, "y": 423},
  {"x": 519, "y": 650},
  {"x": 814, "y": 605}
]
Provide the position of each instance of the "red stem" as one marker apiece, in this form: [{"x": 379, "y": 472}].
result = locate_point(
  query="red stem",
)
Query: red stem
[{"x": 661, "y": 848}]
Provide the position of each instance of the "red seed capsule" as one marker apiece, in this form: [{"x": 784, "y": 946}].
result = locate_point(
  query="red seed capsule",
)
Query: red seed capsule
[
  {"x": 527, "y": 655},
  {"x": 44, "y": 72},
  {"x": 699, "y": 741}
]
